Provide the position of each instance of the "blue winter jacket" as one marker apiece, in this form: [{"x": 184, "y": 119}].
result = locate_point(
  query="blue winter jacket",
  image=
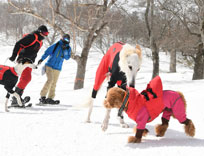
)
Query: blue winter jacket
[{"x": 57, "y": 57}]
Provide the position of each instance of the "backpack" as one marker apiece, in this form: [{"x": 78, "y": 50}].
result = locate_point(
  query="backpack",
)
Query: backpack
[{"x": 55, "y": 47}]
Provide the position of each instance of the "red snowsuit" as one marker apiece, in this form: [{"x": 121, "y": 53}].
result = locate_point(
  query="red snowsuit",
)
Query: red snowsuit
[
  {"x": 142, "y": 110},
  {"x": 137, "y": 101},
  {"x": 109, "y": 63}
]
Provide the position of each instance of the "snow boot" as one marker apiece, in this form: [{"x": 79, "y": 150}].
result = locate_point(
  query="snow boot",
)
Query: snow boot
[
  {"x": 14, "y": 102},
  {"x": 43, "y": 100},
  {"x": 189, "y": 127},
  {"x": 161, "y": 128},
  {"x": 52, "y": 102}
]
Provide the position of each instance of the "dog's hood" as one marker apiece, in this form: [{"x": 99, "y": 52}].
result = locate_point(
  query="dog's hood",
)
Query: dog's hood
[{"x": 154, "y": 105}]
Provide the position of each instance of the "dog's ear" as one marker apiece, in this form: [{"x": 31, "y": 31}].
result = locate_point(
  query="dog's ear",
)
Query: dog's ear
[
  {"x": 138, "y": 47},
  {"x": 138, "y": 51}
]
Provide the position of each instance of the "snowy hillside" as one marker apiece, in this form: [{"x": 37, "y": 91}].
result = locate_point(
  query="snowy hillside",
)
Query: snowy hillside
[{"x": 61, "y": 130}]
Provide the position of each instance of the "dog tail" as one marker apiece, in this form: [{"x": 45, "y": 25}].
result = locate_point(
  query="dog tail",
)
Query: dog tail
[
  {"x": 182, "y": 97},
  {"x": 87, "y": 101}
]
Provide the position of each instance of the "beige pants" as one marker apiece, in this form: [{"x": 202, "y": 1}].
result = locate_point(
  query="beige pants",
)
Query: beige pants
[{"x": 50, "y": 85}]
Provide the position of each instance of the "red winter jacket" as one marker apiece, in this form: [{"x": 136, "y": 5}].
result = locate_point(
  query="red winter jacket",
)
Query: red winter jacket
[{"x": 138, "y": 100}]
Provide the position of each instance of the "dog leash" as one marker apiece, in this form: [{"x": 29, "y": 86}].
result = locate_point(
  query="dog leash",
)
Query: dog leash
[{"x": 125, "y": 102}]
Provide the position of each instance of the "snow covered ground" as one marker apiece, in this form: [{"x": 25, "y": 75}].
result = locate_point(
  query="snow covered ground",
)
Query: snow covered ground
[{"x": 61, "y": 130}]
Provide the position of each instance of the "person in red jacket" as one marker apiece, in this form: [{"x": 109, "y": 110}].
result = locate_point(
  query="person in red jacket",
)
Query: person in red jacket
[{"x": 27, "y": 47}]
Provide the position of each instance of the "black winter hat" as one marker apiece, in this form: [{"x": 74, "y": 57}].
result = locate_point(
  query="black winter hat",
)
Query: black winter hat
[{"x": 43, "y": 29}]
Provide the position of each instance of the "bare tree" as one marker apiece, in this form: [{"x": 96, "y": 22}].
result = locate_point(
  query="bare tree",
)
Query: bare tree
[
  {"x": 91, "y": 26},
  {"x": 149, "y": 18},
  {"x": 191, "y": 15}
]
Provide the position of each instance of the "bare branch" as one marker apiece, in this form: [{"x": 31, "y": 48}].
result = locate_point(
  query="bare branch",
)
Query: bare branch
[
  {"x": 146, "y": 18},
  {"x": 72, "y": 21},
  {"x": 183, "y": 21},
  {"x": 30, "y": 12}
]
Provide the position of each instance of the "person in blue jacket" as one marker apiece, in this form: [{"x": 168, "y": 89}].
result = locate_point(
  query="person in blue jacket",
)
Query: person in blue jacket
[{"x": 57, "y": 53}]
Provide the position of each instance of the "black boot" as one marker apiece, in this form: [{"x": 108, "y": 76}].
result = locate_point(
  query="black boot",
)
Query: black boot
[
  {"x": 52, "y": 102},
  {"x": 19, "y": 92},
  {"x": 43, "y": 100},
  {"x": 14, "y": 100}
]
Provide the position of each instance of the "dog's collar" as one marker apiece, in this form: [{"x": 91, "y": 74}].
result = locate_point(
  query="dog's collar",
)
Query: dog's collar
[{"x": 125, "y": 103}]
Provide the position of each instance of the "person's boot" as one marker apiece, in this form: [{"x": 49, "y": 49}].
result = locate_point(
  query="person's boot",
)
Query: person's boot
[
  {"x": 52, "y": 102},
  {"x": 43, "y": 100},
  {"x": 14, "y": 102}
]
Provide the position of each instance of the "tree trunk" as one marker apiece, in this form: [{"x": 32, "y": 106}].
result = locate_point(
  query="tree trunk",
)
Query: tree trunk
[
  {"x": 82, "y": 61},
  {"x": 80, "y": 75},
  {"x": 198, "y": 67},
  {"x": 155, "y": 59},
  {"x": 172, "y": 66}
]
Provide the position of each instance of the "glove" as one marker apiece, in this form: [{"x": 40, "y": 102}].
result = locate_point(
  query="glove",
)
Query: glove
[
  {"x": 11, "y": 59},
  {"x": 40, "y": 61}
]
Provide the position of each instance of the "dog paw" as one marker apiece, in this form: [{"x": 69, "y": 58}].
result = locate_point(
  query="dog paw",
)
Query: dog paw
[
  {"x": 160, "y": 130},
  {"x": 133, "y": 139},
  {"x": 88, "y": 121},
  {"x": 104, "y": 127},
  {"x": 124, "y": 125}
]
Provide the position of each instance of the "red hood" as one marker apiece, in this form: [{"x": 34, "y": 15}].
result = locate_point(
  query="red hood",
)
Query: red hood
[{"x": 154, "y": 105}]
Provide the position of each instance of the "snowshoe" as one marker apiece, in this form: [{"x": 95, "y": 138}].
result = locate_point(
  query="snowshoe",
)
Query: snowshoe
[
  {"x": 52, "y": 102},
  {"x": 42, "y": 101},
  {"x": 24, "y": 102},
  {"x": 24, "y": 106},
  {"x": 48, "y": 101}
]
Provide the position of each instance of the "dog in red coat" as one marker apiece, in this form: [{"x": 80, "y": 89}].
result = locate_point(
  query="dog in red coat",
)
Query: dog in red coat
[
  {"x": 144, "y": 107},
  {"x": 9, "y": 77}
]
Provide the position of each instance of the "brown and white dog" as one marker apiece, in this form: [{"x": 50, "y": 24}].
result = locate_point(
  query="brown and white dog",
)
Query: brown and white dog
[
  {"x": 121, "y": 64},
  {"x": 146, "y": 106},
  {"x": 9, "y": 77}
]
